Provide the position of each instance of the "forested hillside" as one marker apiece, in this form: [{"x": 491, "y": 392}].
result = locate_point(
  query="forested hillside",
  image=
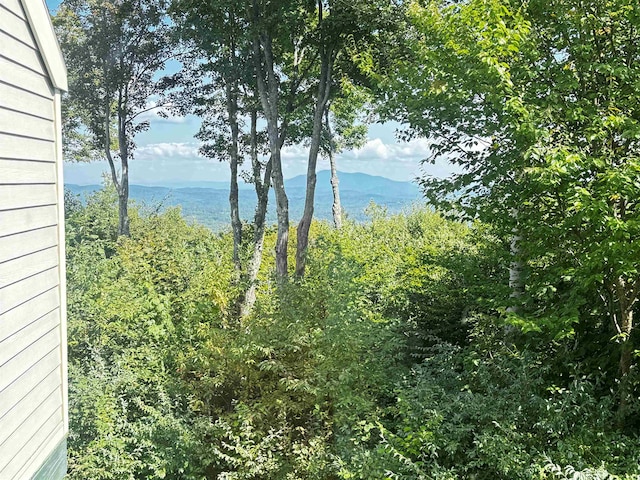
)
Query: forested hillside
[
  {"x": 489, "y": 334},
  {"x": 209, "y": 205},
  {"x": 389, "y": 360}
]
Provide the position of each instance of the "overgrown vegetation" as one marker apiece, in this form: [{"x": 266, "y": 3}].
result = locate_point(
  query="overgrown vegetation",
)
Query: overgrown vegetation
[
  {"x": 494, "y": 339},
  {"x": 390, "y": 359}
]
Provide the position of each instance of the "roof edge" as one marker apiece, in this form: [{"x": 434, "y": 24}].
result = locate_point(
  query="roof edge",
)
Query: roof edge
[{"x": 42, "y": 29}]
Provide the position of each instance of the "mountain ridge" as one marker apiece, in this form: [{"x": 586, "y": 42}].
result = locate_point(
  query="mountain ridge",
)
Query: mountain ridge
[{"x": 210, "y": 205}]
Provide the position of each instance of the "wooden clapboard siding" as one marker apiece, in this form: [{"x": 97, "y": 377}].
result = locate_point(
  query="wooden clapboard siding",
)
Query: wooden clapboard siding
[
  {"x": 28, "y": 287},
  {"x": 14, "y": 7},
  {"x": 16, "y": 246},
  {"x": 18, "y": 414},
  {"x": 23, "y": 148},
  {"x": 50, "y": 446},
  {"x": 25, "y": 219},
  {"x": 14, "y": 368},
  {"x": 34, "y": 373},
  {"x": 20, "y": 268},
  {"x": 20, "y": 317},
  {"x": 20, "y": 52},
  {"x": 21, "y": 77},
  {"x": 26, "y": 172},
  {"x": 14, "y": 22},
  {"x": 27, "y": 336},
  {"x": 19, "y": 123},
  {"x": 18, "y": 100},
  {"x": 32, "y": 436},
  {"x": 23, "y": 196},
  {"x": 49, "y": 462},
  {"x": 17, "y": 424},
  {"x": 24, "y": 290},
  {"x": 32, "y": 328},
  {"x": 53, "y": 466}
]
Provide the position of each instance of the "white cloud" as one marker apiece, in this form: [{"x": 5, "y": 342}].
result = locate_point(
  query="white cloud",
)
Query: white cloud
[
  {"x": 154, "y": 151},
  {"x": 373, "y": 148},
  {"x": 412, "y": 151},
  {"x": 294, "y": 152},
  {"x": 392, "y": 159},
  {"x": 158, "y": 163}
]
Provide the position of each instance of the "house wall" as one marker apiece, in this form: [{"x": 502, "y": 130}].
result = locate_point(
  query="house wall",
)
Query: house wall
[{"x": 33, "y": 414}]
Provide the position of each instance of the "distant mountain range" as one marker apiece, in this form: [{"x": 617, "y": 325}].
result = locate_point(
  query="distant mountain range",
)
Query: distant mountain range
[{"x": 208, "y": 202}]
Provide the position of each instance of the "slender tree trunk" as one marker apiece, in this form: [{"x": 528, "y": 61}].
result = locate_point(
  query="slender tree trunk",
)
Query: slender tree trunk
[
  {"x": 256, "y": 258},
  {"x": 282, "y": 212},
  {"x": 236, "y": 224},
  {"x": 626, "y": 325},
  {"x": 626, "y": 356},
  {"x": 123, "y": 205},
  {"x": 515, "y": 268},
  {"x": 123, "y": 192},
  {"x": 262, "y": 194},
  {"x": 516, "y": 282},
  {"x": 324, "y": 90},
  {"x": 336, "y": 208},
  {"x": 627, "y": 295},
  {"x": 121, "y": 184},
  {"x": 268, "y": 88}
]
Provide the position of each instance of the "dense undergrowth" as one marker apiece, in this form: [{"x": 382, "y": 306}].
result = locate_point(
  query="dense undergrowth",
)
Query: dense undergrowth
[{"x": 390, "y": 360}]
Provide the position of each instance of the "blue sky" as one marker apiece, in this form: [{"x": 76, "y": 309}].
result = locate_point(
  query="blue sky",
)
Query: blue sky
[{"x": 168, "y": 153}]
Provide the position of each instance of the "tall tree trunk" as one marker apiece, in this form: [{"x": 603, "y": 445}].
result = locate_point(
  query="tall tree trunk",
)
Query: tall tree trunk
[
  {"x": 236, "y": 224},
  {"x": 627, "y": 296},
  {"x": 282, "y": 213},
  {"x": 515, "y": 268},
  {"x": 121, "y": 184},
  {"x": 324, "y": 90},
  {"x": 262, "y": 194},
  {"x": 516, "y": 282},
  {"x": 336, "y": 208},
  {"x": 626, "y": 325},
  {"x": 626, "y": 356},
  {"x": 123, "y": 194},
  {"x": 123, "y": 205},
  {"x": 268, "y": 89}
]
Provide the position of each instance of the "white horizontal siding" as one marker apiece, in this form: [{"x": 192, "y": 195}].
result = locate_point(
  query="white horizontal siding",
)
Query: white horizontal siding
[
  {"x": 19, "y": 49},
  {"x": 12, "y": 346},
  {"x": 21, "y": 124},
  {"x": 16, "y": 246},
  {"x": 13, "y": 369},
  {"x": 34, "y": 372},
  {"x": 19, "y": 148},
  {"x": 23, "y": 196},
  {"x": 32, "y": 377},
  {"x": 22, "y": 316},
  {"x": 25, "y": 172},
  {"x": 46, "y": 447},
  {"x": 27, "y": 431},
  {"x": 13, "y": 21},
  {"x": 14, "y": 74},
  {"x": 19, "y": 292},
  {"x": 28, "y": 439},
  {"x": 18, "y": 414},
  {"x": 13, "y": 98},
  {"x": 23, "y": 267},
  {"x": 14, "y": 7},
  {"x": 25, "y": 219}
]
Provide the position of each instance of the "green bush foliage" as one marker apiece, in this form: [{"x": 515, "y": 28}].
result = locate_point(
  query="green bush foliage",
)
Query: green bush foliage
[{"x": 391, "y": 359}]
